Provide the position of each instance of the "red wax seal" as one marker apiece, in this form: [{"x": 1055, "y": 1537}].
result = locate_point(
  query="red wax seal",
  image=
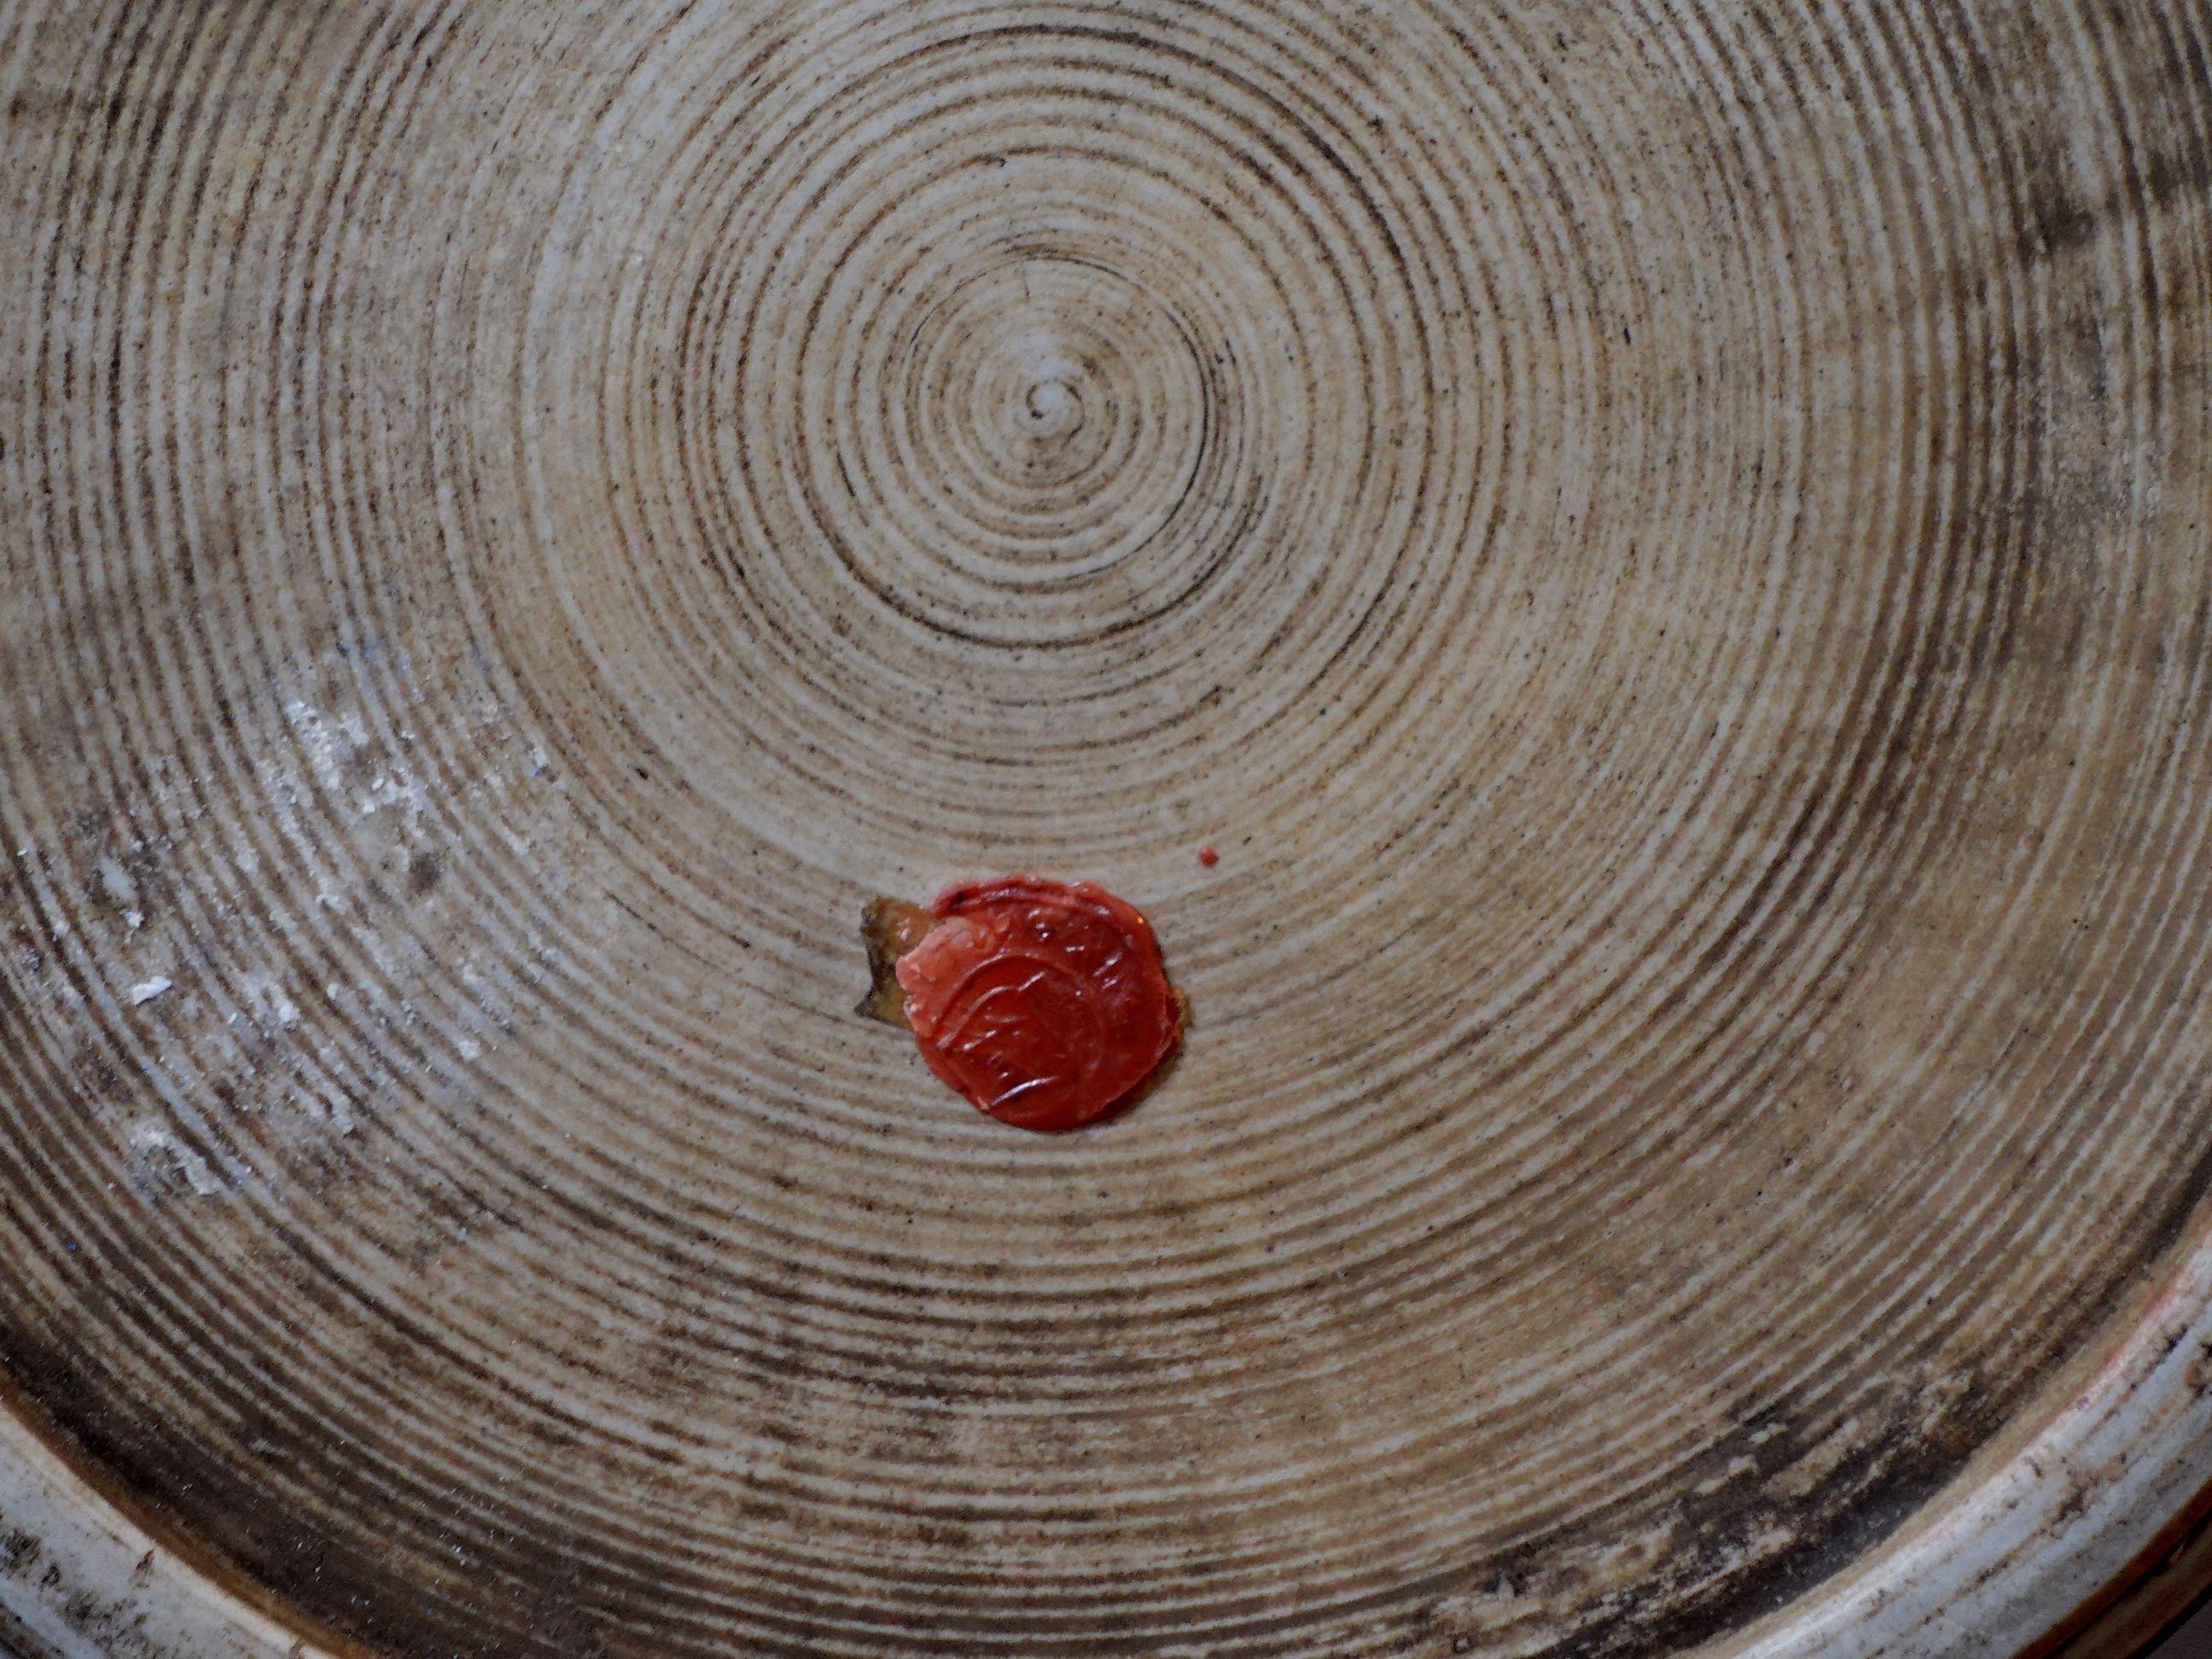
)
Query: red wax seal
[{"x": 1044, "y": 1002}]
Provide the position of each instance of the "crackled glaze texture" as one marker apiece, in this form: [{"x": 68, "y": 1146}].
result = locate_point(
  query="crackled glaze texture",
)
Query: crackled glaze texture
[{"x": 1665, "y": 543}]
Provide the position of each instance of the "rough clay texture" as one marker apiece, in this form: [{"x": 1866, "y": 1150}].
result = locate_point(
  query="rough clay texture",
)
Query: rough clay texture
[{"x": 1666, "y": 542}]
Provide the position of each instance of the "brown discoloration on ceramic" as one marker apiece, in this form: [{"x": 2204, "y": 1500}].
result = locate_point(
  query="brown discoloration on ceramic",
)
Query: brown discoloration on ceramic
[{"x": 1670, "y": 542}]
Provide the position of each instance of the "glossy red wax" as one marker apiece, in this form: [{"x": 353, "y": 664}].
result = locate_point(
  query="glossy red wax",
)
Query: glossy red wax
[{"x": 1044, "y": 1002}]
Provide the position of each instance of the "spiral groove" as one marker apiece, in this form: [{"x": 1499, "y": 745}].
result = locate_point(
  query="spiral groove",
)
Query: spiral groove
[{"x": 1665, "y": 544}]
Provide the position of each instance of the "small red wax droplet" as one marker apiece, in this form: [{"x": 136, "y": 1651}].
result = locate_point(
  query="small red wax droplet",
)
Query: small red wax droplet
[
  {"x": 1208, "y": 857},
  {"x": 1044, "y": 1002}
]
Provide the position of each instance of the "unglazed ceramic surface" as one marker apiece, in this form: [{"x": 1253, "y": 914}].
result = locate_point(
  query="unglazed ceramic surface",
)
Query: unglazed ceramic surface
[{"x": 1665, "y": 544}]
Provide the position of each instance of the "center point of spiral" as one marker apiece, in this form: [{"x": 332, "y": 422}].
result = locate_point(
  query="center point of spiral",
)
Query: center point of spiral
[{"x": 1053, "y": 408}]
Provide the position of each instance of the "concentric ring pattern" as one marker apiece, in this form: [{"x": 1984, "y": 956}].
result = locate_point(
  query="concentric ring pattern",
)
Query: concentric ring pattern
[{"x": 1666, "y": 544}]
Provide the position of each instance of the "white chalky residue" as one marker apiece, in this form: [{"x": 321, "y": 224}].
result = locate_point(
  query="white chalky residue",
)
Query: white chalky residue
[
  {"x": 155, "y": 1145},
  {"x": 239, "y": 1078},
  {"x": 321, "y": 739},
  {"x": 117, "y": 880},
  {"x": 399, "y": 788},
  {"x": 326, "y": 758},
  {"x": 269, "y": 1004},
  {"x": 329, "y": 741},
  {"x": 324, "y": 1105}
]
